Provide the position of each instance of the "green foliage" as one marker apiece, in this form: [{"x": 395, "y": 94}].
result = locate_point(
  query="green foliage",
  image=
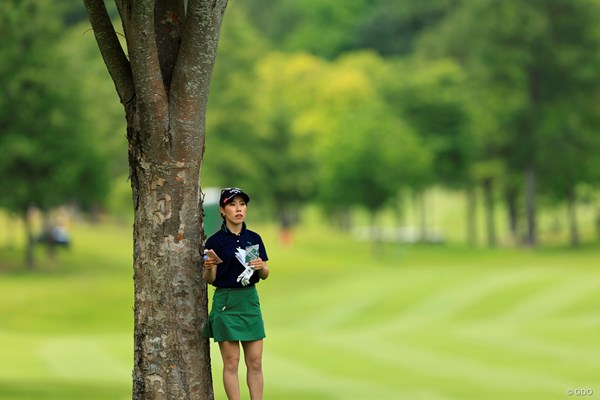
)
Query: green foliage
[
  {"x": 482, "y": 90},
  {"x": 230, "y": 124},
  {"x": 47, "y": 157},
  {"x": 286, "y": 89},
  {"x": 534, "y": 69},
  {"x": 433, "y": 104},
  {"x": 394, "y": 28},
  {"x": 365, "y": 153},
  {"x": 103, "y": 117},
  {"x": 323, "y": 28},
  {"x": 533, "y": 61}
]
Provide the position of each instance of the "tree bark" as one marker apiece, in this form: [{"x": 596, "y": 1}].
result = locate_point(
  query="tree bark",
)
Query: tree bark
[{"x": 163, "y": 85}]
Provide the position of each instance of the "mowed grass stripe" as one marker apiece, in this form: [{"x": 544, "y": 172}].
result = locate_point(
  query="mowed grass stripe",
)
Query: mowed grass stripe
[
  {"x": 465, "y": 372},
  {"x": 439, "y": 310},
  {"x": 510, "y": 348},
  {"x": 53, "y": 389},
  {"x": 344, "y": 300},
  {"x": 63, "y": 358},
  {"x": 307, "y": 371},
  {"x": 316, "y": 353},
  {"x": 444, "y": 303},
  {"x": 101, "y": 358},
  {"x": 358, "y": 298},
  {"x": 315, "y": 366},
  {"x": 552, "y": 300},
  {"x": 315, "y": 378},
  {"x": 570, "y": 359}
]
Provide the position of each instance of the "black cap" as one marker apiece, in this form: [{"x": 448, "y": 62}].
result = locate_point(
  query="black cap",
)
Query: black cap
[{"x": 228, "y": 194}]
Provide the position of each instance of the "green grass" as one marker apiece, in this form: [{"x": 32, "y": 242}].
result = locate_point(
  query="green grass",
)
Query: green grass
[{"x": 343, "y": 321}]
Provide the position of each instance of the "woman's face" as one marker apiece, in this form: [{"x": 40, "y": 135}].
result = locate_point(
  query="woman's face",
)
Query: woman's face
[{"x": 235, "y": 211}]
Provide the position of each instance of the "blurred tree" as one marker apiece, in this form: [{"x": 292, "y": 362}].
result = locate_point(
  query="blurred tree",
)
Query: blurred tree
[
  {"x": 330, "y": 28},
  {"x": 569, "y": 154},
  {"x": 366, "y": 153},
  {"x": 47, "y": 157},
  {"x": 285, "y": 154},
  {"x": 535, "y": 58},
  {"x": 431, "y": 102},
  {"x": 429, "y": 97},
  {"x": 322, "y": 27},
  {"x": 393, "y": 28},
  {"x": 73, "y": 14},
  {"x": 106, "y": 128},
  {"x": 233, "y": 87},
  {"x": 163, "y": 83}
]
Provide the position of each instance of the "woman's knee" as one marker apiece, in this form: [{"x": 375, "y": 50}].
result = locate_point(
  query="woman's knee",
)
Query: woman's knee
[
  {"x": 253, "y": 355},
  {"x": 253, "y": 363},
  {"x": 231, "y": 363},
  {"x": 255, "y": 366}
]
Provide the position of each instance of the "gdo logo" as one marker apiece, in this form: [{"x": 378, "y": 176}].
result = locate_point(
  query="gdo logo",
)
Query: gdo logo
[{"x": 580, "y": 392}]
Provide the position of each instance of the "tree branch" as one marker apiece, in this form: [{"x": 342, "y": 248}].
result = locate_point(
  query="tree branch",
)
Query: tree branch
[
  {"x": 151, "y": 93},
  {"x": 143, "y": 54},
  {"x": 198, "y": 49},
  {"x": 112, "y": 53}
]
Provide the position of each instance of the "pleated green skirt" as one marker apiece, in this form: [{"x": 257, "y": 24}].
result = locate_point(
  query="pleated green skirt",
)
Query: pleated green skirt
[{"x": 235, "y": 315}]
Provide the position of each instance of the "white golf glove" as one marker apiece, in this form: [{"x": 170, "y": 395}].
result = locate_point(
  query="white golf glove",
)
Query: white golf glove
[{"x": 244, "y": 277}]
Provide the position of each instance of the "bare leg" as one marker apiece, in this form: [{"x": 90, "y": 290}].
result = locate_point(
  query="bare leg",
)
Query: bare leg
[
  {"x": 230, "y": 352},
  {"x": 253, "y": 356}
]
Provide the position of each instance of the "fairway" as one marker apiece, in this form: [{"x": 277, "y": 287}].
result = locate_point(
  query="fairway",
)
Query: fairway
[{"x": 342, "y": 323}]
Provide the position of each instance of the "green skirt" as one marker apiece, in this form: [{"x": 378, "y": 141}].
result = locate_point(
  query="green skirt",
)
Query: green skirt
[{"x": 235, "y": 315}]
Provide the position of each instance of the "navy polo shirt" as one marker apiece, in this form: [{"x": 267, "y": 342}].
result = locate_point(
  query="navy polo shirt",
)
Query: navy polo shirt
[{"x": 225, "y": 243}]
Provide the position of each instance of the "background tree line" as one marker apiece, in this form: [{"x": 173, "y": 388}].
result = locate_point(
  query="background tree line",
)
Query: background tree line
[
  {"x": 348, "y": 105},
  {"x": 366, "y": 101}
]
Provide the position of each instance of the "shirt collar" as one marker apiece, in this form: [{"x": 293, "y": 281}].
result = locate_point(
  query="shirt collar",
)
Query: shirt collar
[{"x": 225, "y": 229}]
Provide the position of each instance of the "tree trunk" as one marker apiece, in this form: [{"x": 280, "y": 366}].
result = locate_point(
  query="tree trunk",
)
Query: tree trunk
[
  {"x": 286, "y": 225},
  {"x": 163, "y": 84},
  {"x": 530, "y": 205},
  {"x": 172, "y": 360},
  {"x": 399, "y": 212},
  {"x": 29, "y": 241},
  {"x": 422, "y": 216},
  {"x": 376, "y": 236},
  {"x": 471, "y": 214},
  {"x": 572, "y": 215},
  {"x": 47, "y": 234},
  {"x": 597, "y": 221},
  {"x": 9, "y": 232},
  {"x": 488, "y": 195},
  {"x": 513, "y": 214}
]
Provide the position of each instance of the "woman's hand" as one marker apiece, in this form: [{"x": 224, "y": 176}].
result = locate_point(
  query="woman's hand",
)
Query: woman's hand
[
  {"x": 210, "y": 263},
  {"x": 260, "y": 267},
  {"x": 210, "y": 272},
  {"x": 257, "y": 264}
]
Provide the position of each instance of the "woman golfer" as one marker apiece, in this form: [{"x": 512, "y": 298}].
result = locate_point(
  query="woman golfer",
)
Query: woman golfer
[{"x": 237, "y": 264}]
